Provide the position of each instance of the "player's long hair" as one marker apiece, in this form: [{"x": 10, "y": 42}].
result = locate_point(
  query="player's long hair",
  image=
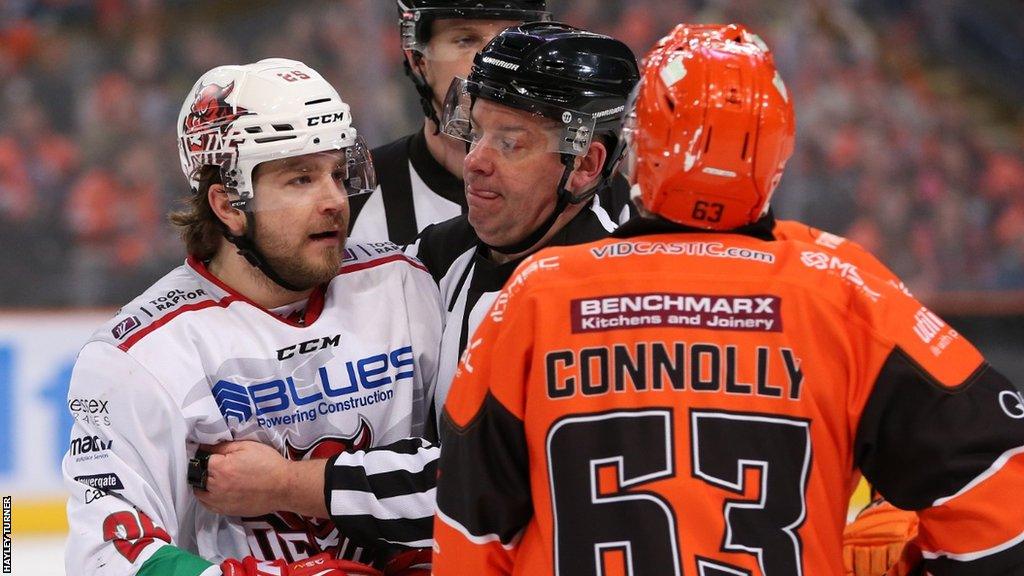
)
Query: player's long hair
[{"x": 200, "y": 228}]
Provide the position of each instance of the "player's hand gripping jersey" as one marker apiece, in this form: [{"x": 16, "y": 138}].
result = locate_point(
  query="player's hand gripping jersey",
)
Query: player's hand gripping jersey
[
  {"x": 191, "y": 362},
  {"x": 703, "y": 404}
]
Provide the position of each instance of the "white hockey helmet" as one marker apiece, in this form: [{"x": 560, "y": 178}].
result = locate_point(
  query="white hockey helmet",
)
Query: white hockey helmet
[{"x": 237, "y": 117}]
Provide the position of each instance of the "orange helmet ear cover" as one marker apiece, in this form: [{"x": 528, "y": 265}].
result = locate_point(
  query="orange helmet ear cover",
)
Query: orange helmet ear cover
[{"x": 714, "y": 127}]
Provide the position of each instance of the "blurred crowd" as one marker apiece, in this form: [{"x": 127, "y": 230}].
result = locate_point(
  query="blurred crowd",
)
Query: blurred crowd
[{"x": 894, "y": 150}]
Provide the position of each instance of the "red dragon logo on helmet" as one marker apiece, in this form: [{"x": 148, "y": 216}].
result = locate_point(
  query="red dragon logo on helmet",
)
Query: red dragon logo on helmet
[
  {"x": 205, "y": 127},
  {"x": 210, "y": 108}
]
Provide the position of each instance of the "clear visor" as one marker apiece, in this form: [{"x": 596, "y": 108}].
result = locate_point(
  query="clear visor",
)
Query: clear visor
[
  {"x": 556, "y": 129},
  {"x": 313, "y": 178},
  {"x": 627, "y": 142}
]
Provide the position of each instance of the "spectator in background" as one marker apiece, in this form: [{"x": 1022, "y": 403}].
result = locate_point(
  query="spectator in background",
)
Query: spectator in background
[{"x": 895, "y": 141}]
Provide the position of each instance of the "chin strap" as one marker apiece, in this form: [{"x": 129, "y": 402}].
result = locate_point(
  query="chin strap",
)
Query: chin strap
[
  {"x": 565, "y": 198},
  {"x": 426, "y": 94},
  {"x": 246, "y": 245}
]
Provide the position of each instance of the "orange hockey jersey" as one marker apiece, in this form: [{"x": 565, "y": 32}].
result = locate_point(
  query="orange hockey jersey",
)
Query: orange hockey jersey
[
  {"x": 844, "y": 248},
  {"x": 666, "y": 402}
]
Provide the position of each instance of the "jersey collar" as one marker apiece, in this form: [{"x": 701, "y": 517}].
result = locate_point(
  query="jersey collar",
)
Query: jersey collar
[
  {"x": 642, "y": 226},
  {"x": 314, "y": 306}
]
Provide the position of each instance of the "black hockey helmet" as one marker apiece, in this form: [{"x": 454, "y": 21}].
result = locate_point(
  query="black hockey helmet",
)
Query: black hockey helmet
[
  {"x": 415, "y": 18},
  {"x": 580, "y": 79},
  {"x": 549, "y": 68}
]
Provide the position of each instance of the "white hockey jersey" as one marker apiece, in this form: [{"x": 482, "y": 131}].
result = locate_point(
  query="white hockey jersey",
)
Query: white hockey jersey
[{"x": 192, "y": 362}]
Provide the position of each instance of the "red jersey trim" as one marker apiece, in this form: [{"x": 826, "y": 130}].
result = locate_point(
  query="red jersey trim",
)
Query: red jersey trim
[
  {"x": 223, "y": 303},
  {"x": 314, "y": 306},
  {"x": 372, "y": 263}
]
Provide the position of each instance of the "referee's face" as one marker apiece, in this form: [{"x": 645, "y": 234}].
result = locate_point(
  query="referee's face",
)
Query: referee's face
[{"x": 511, "y": 173}]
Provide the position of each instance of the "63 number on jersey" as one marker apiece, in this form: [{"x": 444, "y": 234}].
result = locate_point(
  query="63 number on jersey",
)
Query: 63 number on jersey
[{"x": 599, "y": 527}]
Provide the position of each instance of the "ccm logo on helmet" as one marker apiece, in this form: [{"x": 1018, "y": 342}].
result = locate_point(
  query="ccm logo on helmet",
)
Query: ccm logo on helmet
[{"x": 325, "y": 119}]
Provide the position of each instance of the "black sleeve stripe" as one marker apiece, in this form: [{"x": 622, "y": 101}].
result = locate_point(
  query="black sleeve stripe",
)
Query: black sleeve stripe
[
  {"x": 1008, "y": 562},
  {"x": 918, "y": 441},
  {"x": 488, "y": 490},
  {"x": 407, "y": 532},
  {"x": 398, "y": 479},
  {"x": 440, "y": 245},
  {"x": 387, "y": 484}
]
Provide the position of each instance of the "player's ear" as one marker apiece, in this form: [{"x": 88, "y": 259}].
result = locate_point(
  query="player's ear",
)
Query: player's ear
[
  {"x": 588, "y": 167},
  {"x": 220, "y": 199}
]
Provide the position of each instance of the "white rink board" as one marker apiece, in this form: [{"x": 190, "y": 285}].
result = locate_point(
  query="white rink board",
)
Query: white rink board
[
  {"x": 38, "y": 555},
  {"x": 37, "y": 352}
]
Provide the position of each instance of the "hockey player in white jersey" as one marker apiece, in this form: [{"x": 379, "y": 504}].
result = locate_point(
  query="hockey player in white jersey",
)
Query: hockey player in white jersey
[{"x": 273, "y": 330}]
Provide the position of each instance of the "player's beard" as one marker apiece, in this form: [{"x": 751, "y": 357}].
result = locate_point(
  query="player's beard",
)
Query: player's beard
[{"x": 294, "y": 261}]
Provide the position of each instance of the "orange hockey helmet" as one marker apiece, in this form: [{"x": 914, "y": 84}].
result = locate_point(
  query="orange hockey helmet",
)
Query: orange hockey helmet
[{"x": 711, "y": 127}]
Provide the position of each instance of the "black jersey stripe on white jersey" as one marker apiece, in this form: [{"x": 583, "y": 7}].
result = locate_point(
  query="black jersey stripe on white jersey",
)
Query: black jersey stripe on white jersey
[
  {"x": 385, "y": 494},
  {"x": 469, "y": 281},
  {"x": 414, "y": 190}
]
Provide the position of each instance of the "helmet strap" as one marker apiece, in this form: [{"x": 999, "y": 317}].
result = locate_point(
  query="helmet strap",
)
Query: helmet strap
[
  {"x": 426, "y": 93},
  {"x": 246, "y": 245},
  {"x": 564, "y": 199}
]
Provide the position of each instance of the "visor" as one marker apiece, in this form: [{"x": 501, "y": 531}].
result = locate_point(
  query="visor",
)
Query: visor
[
  {"x": 570, "y": 131},
  {"x": 298, "y": 181},
  {"x": 626, "y": 149}
]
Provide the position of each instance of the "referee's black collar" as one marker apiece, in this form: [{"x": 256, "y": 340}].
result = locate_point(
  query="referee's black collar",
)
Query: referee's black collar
[
  {"x": 434, "y": 175},
  {"x": 763, "y": 229}
]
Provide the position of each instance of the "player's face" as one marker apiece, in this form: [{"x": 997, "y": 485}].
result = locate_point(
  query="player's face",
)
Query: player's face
[
  {"x": 453, "y": 44},
  {"x": 301, "y": 213},
  {"x": 511, "y": 174}
]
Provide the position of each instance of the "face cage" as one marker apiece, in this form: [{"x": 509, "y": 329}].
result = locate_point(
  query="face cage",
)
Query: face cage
[
  {"x": 573, "y": 136},
  {"x": 411, "y": 20}
]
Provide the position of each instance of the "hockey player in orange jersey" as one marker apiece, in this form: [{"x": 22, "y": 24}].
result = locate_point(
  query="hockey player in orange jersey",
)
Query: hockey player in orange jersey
[{"x": 694, "y": 396}]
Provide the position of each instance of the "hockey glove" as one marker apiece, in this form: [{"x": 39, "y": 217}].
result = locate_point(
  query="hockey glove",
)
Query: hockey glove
[
  {"x": 414, "y": 562},
  {"x": 875, "y": 542},
  {"x": 319, "y": 565}
]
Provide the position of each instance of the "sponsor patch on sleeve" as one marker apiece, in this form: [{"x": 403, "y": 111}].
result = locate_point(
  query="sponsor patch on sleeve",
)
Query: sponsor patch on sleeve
[{"x": 125, "y": 327}]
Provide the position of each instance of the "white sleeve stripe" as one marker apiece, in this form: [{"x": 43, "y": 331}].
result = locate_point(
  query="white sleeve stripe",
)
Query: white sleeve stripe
[
  {"x": 382, "y": 461},
  {"x": 411, "y": 544},
  {"x": 992, "y": 470},
  {"x": 602, "y": 214},
  {"x": 479, "y": 540},
  {"x": 971, "y": 556},
  {"x": 355, "y": 503}
]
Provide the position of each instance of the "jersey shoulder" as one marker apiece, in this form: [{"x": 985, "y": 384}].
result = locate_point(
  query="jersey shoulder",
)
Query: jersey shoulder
[
  {"x": 395, "y": 150},
  {"x": 181, "y": 290},
  {"x": 841, "y": 246},
  {"x": 362, "y": 256},
  {"x": 441, "y": 244}
]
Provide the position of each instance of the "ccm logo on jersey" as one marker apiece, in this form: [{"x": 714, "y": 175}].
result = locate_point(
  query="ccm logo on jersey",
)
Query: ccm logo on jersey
[
  {"x": 327, "y": 393},
  {"x": 325, "y": 119},
  {"x": 309, "y": 346}
]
